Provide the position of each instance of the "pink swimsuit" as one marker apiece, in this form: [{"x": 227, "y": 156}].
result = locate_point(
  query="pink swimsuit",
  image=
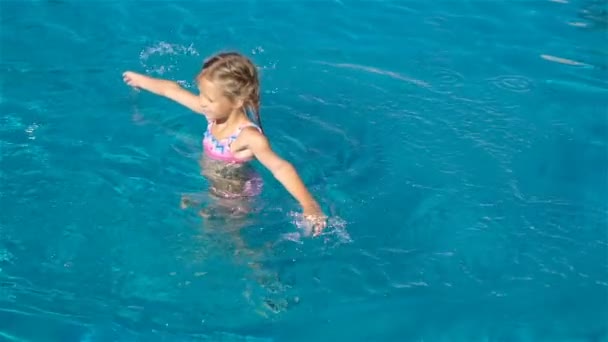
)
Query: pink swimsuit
[{"x": 220, "y": 149}]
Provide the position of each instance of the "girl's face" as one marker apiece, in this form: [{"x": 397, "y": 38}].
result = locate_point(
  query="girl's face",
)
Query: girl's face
[{"x": 212, "y": 100}]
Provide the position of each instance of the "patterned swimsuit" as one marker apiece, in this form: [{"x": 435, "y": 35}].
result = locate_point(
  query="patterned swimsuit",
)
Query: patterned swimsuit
[{"x": 219, "y": 150}]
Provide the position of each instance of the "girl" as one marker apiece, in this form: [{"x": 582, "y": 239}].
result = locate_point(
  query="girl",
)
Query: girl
[{"x": 228, "y": 89}]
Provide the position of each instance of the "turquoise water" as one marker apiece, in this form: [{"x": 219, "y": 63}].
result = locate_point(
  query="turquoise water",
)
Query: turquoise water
[{"x": 460, "y": 148}]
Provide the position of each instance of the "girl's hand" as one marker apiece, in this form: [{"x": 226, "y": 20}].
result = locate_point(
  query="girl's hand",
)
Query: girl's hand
[
  {"x": 134, "y": 79},
  {"x": 316, "y": 218},
  {"x": 166, "y": 88}
]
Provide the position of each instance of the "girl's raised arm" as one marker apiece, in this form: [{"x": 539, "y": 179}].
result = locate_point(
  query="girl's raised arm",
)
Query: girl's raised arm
[{"x": 169, "y": 89}]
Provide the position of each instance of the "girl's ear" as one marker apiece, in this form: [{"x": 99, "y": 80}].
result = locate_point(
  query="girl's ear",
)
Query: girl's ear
[{"x": 239, "y": 103}]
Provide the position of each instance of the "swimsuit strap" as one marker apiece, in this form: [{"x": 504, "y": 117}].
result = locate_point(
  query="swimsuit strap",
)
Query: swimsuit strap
[
  {"x": 242, "y": 127},
  {"x": 236, "y": 133}
]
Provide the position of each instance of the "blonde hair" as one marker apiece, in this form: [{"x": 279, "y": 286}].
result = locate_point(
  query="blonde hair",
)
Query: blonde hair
[{"x": 238, "y": 77}]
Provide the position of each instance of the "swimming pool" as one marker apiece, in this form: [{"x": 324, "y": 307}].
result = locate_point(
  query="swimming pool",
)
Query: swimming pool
[{"x": 460, "y": 147}]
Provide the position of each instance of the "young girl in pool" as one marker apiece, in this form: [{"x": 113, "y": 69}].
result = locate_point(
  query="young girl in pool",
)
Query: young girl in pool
[{"x": 228, "y": 89}]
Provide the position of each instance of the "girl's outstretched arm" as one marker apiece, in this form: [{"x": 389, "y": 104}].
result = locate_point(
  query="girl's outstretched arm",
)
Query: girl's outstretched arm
[
  {"x": 166, "y": 88},
  {"x": 285, "y": 173}
]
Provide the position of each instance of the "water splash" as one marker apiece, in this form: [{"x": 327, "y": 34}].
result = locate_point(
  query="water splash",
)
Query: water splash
[
  {"x": 257, "y": 50},
  {"x": 335, "y": 230},
  {"x": 6, "y": 256},
  {"x": 153, "y": 58},
  {"x": 30, "y": 130}
]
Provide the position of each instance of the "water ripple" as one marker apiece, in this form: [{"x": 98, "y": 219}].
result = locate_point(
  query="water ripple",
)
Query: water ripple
[
  {"x": 434, "y": 193},
  {"x": 562, "y": 60},
  {"x": 409, "y": 285},
  {"x": 445, "y": 80},
  {"x": 374, "y": 70},
  {"x": 513, "y": 83}
]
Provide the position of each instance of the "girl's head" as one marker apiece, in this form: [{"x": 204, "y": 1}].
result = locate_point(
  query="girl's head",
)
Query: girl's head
[{"x": 228, "y": 82}]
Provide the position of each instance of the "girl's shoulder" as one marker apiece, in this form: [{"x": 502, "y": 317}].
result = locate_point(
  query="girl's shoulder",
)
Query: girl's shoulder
[
  {"x": 248, "y": 124},
  {"x": 250, "y": 133}
]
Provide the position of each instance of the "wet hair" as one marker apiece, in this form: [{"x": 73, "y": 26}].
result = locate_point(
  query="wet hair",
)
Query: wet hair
[{"x": 238, "y": 77}]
